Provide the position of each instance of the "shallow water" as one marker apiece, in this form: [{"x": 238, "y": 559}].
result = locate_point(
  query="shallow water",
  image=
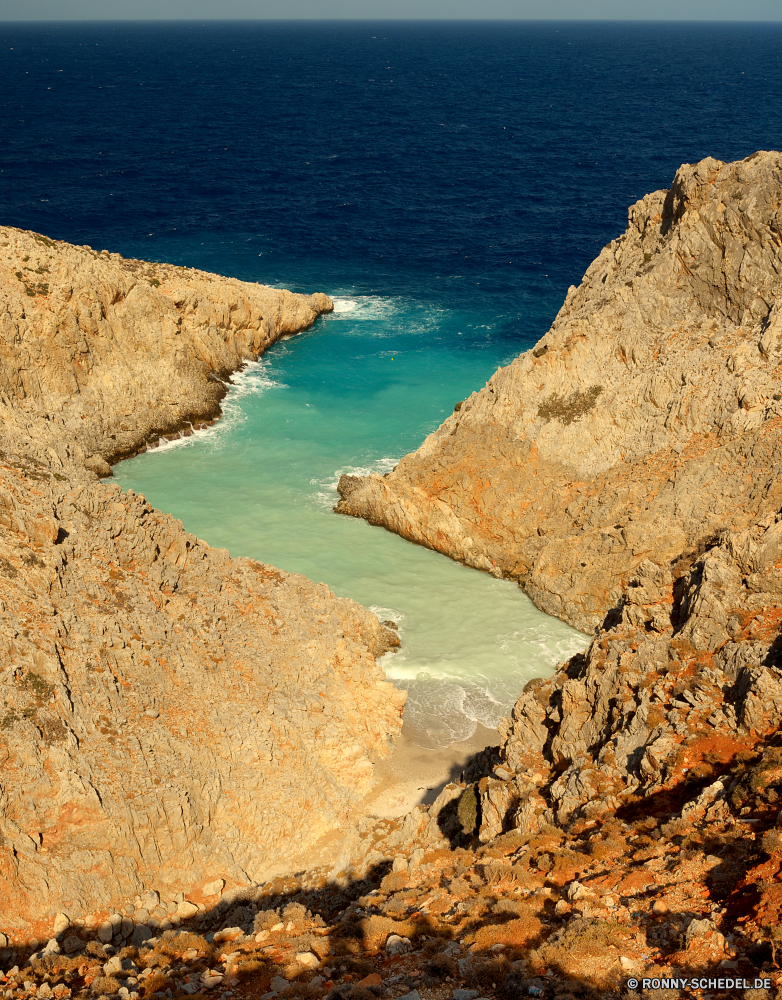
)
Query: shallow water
[{"x": 356, "y": 393}]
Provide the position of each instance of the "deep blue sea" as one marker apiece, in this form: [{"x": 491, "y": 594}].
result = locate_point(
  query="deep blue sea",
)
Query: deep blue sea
[{"x": 444, "y": 182}]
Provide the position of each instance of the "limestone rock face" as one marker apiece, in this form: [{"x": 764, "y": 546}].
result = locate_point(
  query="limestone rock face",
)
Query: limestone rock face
[
  {"x": 170, "y": 718},
  {"x": 100, "y": 356},
  {"x": 691, "y": 661},
  {"x": 644, "y": 421}
]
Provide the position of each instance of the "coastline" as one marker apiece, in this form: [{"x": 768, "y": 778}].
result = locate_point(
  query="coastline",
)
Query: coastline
[
  {"x": 411, "y": 776},
  {"x": 608, "y": 834},
  {"x": 103, "y": 355},
  {"x": 414, "y": 775},
  {"x": 112, "y": 355}
]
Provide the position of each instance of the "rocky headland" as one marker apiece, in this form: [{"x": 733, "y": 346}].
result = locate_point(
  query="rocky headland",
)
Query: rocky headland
[
  {"x": 168, "y": 714},
  {"x": 645, "y": 421},
  {"x": 626, "y": 471},
  {"x": 627, "y": 826},
  {"x": 100, "y": 355}
]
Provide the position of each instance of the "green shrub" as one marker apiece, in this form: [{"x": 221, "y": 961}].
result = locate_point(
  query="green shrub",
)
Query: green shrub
[
  {"x": 569, "y": 408},
  {"x": 467, "y": 810}
]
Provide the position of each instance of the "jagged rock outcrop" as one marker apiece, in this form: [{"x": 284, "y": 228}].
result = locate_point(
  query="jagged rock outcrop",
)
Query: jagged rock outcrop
[
  {"x": 101, "y": 355},
  {"x": 638, "y": 787},
  {"x": 694, "y": 658},
  {"x": 629, "y": 821},
  {"x": 627, "y": 473},
  {"x": 169, "y": 716},
  {"x": 644, "y": 421}
]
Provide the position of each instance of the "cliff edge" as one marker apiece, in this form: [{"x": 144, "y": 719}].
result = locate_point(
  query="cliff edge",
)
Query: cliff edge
[
  {"x": 628, "y": 823},
  {"x": 101, "y": 355},
  {"x": 169, "y": 716},
  {"x": 643, "y": 423}
]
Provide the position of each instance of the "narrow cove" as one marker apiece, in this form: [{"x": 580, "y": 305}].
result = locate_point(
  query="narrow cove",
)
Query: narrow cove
[{"x": 358, "y": 391}]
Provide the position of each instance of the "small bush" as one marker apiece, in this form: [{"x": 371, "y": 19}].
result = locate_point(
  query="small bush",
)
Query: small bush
[
  {"x": 105, "y": 984},
  {"x": 175, "y": 947},
  {"x": 356, "y": 966},
  {"x": 676, "y": 828},
  {"x": 772, "y": 841},
  {"x": 512, "y": 874},
  {"x": 377, "y": 929},
  {"x": 566, "y": 864},
  {"x": 569, "y": 948},
  {"x": 251, "y": 969},
  {"x": 514, "y": 906},
  {"x": 569, "y": 408},
  {"x": 56, "y": 963},
  {"x": 488, "y": 975},
  {"x": 394, "y": 881},
  {"x": 520, "y": 932},
  {"x": 155, "y": 983},
  {"x": 265, "y": 920},
  {"x": 459, "y": 887},
  {"x": 467, "y": 810},
  {"x": 441, "y": 966},
  {"x": 352, "y": 993},
  {"x": 602, "y": 850},
  {"x": 300, "y": 916}
]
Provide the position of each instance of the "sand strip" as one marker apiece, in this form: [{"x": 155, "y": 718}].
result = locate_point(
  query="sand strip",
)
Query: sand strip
[{"x": 414, "y": 775}]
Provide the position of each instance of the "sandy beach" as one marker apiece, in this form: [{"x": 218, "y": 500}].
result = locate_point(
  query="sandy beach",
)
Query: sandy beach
[{"x": 415, "y": 775}]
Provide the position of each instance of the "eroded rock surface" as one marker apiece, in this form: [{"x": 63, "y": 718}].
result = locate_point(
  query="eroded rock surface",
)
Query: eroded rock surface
[
  {"x": 647, "y": 418},
  {"x": 101, "y": 355},
  {"x": 634, "y": 797},
  {"x": 169, "y": 716},
  {"x": 628, "y": 822},
  {"x": 626, "y": 472}
]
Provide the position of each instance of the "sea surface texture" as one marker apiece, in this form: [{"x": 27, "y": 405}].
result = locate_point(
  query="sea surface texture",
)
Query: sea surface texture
[{"x": 444, "y": 182}]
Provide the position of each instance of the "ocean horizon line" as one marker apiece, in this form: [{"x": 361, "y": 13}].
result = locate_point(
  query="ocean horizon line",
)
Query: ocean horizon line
[{"x": 304, "y": 18}]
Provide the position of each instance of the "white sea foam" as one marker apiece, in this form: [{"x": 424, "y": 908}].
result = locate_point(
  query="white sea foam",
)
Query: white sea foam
[
  {"x": 384, "y": 316},
  {"x": 252, "y": 380},
  {"x": 326, "y": 495},
  {"x": 449, "y": 697},
  {"x": 366, "y": 307},
  {"x": 344, "y": 305},
  {"x": 387, "y": 614}
]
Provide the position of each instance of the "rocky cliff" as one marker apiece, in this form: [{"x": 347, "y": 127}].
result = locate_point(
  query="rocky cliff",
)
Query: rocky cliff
[
  {"x": 646, "y": 420},
  {"x": 629, "y": 822},
  {"x": 100, "y": 355},
  {"x": 626, "y": 472},
  {"x": 169, "y": 716}
]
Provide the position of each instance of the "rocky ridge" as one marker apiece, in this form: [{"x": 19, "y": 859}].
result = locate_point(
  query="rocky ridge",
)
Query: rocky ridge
[
  {"x": 643, "y": 422},
  {"x": 626, "y": 472},
  {"x": 167, "y": 714},
  {"x": 101, "y": 355}
]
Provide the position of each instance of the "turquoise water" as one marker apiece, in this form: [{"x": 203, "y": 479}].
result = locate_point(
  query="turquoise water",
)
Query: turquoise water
[{"x": 354, "y": 394}]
